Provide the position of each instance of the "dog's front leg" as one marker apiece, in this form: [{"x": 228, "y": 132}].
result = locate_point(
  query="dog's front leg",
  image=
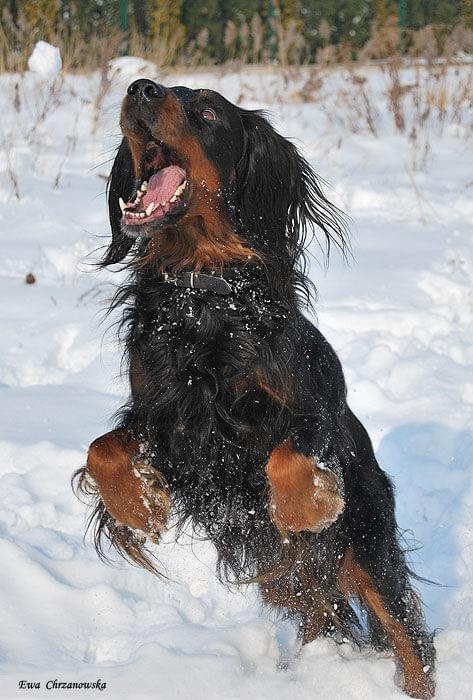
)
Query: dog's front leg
[
  {"x": 302, "y": 494},
  {"x": 133, "y": 492}
]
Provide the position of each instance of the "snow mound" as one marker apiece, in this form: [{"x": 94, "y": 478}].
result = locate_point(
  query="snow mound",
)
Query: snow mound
[{"x": 45, "y": 60}]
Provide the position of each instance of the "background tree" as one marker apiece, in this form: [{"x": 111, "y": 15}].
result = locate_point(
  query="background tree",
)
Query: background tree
[
  {"x": 384, "y": 9},
  {"x": 166, "y": 26},
  {"x": 467, "y": 13},
  {"x": 204, "y": 20},
  {"x": 291, "y": 31},
  {"x": 42, "y": 15}
]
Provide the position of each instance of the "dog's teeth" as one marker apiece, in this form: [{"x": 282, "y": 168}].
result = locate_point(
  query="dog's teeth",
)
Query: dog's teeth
[
  {"x": 122, "y": 204},
  {"x": 150, "y": 209},
  {"x": 179, "y": 191},
  {"x": 139, "y": 195},
  {"x": 144, "y": 186},
  {"x": 142, "y": 214}
]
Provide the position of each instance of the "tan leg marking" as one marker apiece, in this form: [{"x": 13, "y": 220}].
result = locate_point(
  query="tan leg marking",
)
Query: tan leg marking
[
  {"x": 132, "y": 492},
  {"x": 354, "y": 579},
  {"x": 301, "y": 495}
]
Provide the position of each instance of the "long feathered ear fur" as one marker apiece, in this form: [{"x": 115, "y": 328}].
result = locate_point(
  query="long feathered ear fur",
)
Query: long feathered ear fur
[
  {"x": 120, "y": 184},
  {"x": 279, "y": 199}
]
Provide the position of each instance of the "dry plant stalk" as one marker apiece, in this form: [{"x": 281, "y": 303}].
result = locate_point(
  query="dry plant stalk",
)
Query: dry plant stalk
[
  {"x": 10, "y": 171},
  {"x": 396, "y": 93},
  {"x": 365, "y": 110}
]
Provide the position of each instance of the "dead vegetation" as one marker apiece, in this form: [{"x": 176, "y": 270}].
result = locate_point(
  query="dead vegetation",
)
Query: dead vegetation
[{"x": 275, "y": 40}]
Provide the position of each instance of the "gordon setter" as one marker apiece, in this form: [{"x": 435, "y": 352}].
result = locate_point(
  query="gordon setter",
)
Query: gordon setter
[{"x": 237, "y": 420}]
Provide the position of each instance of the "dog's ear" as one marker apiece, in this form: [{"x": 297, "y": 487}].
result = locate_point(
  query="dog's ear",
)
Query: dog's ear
[
  {"x": 278, "y": 196},
  {"x": 120, "y": 184}
]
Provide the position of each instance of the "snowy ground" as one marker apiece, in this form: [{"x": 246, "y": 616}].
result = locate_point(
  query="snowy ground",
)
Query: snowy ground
[{"x": 400, "y": 316}]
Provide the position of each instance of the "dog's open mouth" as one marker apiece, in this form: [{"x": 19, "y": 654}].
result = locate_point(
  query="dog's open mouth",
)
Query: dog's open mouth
[{"x": 160, "y": 192}]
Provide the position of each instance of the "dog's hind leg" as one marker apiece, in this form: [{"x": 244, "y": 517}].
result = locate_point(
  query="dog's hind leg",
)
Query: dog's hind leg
[
  {"x": 132, "y": 498},
  {"x": 401, "y": 621},
  {"x": 306, "y": 601},
  {"x": 375, "y": 568},
  {"x": 305, "y": 592}
]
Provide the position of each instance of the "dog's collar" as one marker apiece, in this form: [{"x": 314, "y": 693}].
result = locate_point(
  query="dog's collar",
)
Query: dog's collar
[{"x": 198, "y": 280}]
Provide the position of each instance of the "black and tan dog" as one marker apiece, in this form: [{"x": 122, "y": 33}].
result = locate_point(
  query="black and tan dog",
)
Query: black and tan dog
[{"x": 238, "y": 420}]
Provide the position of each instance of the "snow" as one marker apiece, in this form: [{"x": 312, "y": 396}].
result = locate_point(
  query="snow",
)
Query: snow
[
  {"x": 45, "y": 60},
  {"x": 127, "y": 68},
  {"x": 400, "y": 316}
]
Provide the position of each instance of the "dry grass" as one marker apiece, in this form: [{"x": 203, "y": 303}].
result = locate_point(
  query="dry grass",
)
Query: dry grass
[
  {"x": 17, "y": 40},
  {"x": 245, "y": 41},
  {"x": 422, "y": 99},
  {"x": 423, "y": 96}
]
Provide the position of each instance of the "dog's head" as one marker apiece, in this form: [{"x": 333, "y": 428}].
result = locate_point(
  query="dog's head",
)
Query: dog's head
[{"x": 206, "y": 182}]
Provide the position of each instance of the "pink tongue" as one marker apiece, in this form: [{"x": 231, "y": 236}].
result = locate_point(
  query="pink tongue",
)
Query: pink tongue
[{"x": 163, "y": 184}]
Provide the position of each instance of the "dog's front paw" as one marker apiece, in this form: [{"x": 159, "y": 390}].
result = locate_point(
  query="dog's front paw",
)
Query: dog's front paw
[
  {"x": 155, "y": 497},
  {"x": 302, "y": 496},
  {"x": 133, "y": 492}
]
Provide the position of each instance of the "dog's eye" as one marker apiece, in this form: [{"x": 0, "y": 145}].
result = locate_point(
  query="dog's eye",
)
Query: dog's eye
[{"x": 208, "y": 114}]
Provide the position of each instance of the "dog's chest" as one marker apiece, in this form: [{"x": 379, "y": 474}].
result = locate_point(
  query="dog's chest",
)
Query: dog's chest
[
  {"x": 200, "y": 355},
  {"x": 204, "y": 347},
  {"x": 185, "y": 332}
]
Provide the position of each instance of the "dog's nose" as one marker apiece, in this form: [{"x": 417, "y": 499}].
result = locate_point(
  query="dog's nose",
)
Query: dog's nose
[{"x": 146, "y": 89}]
